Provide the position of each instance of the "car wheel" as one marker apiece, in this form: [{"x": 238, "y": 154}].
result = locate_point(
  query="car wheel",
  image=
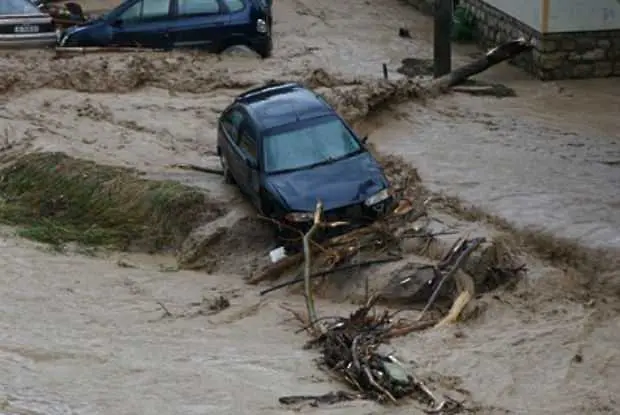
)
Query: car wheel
[
  {"x": 228, "y": 178},
  {"x": 241, "y": 50}
]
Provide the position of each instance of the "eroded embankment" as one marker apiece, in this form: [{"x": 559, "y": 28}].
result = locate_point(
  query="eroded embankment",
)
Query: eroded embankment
[
  {"x": 56, "y": 198},
  {"x": 167, "y": 214}
]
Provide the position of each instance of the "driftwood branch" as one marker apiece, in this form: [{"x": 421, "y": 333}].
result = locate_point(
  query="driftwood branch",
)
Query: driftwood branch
[
  {"x": 460, "y": 261},
  {"x": 318, "y": 213},
  {"x": 195, "y": 167}
]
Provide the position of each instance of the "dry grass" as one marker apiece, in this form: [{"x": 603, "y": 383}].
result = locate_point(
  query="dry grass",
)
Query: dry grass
[{"x": 55, "y": 198}]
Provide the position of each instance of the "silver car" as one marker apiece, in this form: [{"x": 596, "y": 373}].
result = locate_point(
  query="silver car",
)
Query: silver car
[{"x": 23, "y": 25}]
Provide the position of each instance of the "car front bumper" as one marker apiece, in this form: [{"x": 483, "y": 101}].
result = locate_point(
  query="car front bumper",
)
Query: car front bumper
[
  {"x": 34, "y": 40},
  {"x": 352, "y": 216}
]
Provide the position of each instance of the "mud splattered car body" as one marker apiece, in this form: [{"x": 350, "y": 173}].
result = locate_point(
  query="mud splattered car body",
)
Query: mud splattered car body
[
  {"x": 23, "y": 25},
  {"x": 286, "y": 148},
  {"x": 211, "y": 25}
]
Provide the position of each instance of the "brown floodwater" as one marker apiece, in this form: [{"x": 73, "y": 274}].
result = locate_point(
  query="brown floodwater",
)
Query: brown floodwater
[{"x": 83, "y": 335}]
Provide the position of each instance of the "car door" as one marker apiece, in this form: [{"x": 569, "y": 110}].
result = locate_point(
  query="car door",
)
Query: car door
[
  {"x": 246, "y": 164},
  {"x": 199, "y": 24},
  {"x": 228, "y": 135},
  {"x": 143, "y": 24}
]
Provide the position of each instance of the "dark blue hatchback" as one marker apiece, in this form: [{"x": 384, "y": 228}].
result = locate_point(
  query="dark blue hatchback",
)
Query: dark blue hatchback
[
  {"x": 286, "y": 148},
  {"x": 213, "y": 25}
]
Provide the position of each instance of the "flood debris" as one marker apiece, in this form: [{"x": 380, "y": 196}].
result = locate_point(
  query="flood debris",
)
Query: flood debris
[
  {"x": 65, "y": 15},
  {"x": 207, "y": 306},
  {"x": 351, "y": 347}
]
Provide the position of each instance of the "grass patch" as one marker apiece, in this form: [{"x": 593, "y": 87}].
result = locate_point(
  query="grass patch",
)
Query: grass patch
[{"x": 55, "y": 198}]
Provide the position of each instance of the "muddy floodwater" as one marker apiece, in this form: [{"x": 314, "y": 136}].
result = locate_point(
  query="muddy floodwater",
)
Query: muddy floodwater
[{"x": 84, "y": 334}]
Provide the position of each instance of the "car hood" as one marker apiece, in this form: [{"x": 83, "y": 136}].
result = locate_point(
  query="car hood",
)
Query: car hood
[{"x": 345, "y": 182}]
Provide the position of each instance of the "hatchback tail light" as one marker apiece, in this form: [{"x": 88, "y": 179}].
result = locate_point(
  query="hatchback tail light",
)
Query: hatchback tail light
[{"x": 261, "y": 26}]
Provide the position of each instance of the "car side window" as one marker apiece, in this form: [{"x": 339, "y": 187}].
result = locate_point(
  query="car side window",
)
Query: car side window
[
  {"x": 146, "y": 9},
  {"x": 193, "y": 7},
  {"x": 234, "y": 6},
  {"x": 247, "y": 143},
  {"x": 231, "y": 122}
]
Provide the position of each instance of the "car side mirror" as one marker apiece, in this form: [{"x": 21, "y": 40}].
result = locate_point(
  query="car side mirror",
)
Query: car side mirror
[
  {"x": 364, "y": 139},
  {"x": 116, "y": 23}
]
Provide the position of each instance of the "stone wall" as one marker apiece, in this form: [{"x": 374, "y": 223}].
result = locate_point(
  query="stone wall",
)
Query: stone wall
[{"x": 556, "y": 55}]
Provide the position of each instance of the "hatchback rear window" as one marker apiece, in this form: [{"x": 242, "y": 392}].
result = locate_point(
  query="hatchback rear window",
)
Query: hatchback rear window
[
  {"x": 234, "y": 5},
  {"x": 17, "y": 7}
]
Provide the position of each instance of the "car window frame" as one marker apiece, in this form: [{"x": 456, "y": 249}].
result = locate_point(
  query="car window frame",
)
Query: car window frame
[
  {"x": 141, "y": 19},
  {"x": 229, "y": 11},
  {"x": 246, "y": 128},
  {"x": 177, "y": 13},
  {"x": 234, "y": 138}
]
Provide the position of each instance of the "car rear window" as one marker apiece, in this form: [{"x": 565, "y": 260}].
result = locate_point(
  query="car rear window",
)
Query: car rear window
[
  {"x": 234, "y": 5},
  {"x": 324, "y": 140},
  {"x": 17, "y": 7}
]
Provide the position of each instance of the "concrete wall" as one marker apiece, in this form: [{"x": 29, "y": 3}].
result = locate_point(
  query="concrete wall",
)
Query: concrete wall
[
  {"x": 580, "y": 15},
  {"x": 566, "y": 45}
]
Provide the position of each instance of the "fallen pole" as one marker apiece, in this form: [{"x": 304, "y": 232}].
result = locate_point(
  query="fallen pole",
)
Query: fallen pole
[{"x": 499, "y": 54}]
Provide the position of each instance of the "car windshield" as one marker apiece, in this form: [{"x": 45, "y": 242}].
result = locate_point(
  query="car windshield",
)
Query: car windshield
[
  {"x": 323, "y": 140},
  {"x": 17, "y": 7}
]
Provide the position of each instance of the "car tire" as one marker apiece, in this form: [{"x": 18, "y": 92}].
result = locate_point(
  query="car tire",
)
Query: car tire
[
  {"x": 228, "y": 178},
  {"x": 241, "y": 50}
]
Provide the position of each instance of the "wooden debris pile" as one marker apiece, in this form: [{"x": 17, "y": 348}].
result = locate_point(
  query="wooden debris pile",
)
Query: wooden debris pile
[{"x": 352, "y": 347}]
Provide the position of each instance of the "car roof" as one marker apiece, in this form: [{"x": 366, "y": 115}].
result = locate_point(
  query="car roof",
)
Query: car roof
[{"x": 279, "y": 104}]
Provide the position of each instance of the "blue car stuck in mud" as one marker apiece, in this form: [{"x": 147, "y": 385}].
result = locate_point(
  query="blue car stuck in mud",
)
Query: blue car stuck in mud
[
  {"x": 286, "y": 148},
  {"x": 211, "y": 25}
]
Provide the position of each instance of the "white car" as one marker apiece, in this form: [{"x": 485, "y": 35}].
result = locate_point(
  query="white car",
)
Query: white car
[{"x": 23, "y": 25}]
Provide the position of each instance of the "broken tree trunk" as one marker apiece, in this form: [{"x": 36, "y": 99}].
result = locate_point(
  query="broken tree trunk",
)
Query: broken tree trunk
[{"x": 493, "y": 57}]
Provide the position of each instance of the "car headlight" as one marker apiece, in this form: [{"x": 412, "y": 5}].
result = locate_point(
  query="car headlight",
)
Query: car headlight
[
  {"x": 299, "y": 217},
  {"x": 377, "y": 197},
  {"x": 261, "y": 26}
]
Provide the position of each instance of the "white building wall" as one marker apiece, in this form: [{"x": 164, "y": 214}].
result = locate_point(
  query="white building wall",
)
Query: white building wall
[
  {"x": 582, "y": 15},
  {"x": 527, "y": 11}
]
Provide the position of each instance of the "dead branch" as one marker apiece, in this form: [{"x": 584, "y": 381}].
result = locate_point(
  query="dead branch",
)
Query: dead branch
[
  {"x": 195, "y": 167},
  {"x": 467, "y": 290},
  {"x": 468, "y": 248},
  {"x": 167, "y": 312},
  {"x": 331, "y": 271},
  {"x": 316, "y": 224},
  {"x": 274, "y": 271}
]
